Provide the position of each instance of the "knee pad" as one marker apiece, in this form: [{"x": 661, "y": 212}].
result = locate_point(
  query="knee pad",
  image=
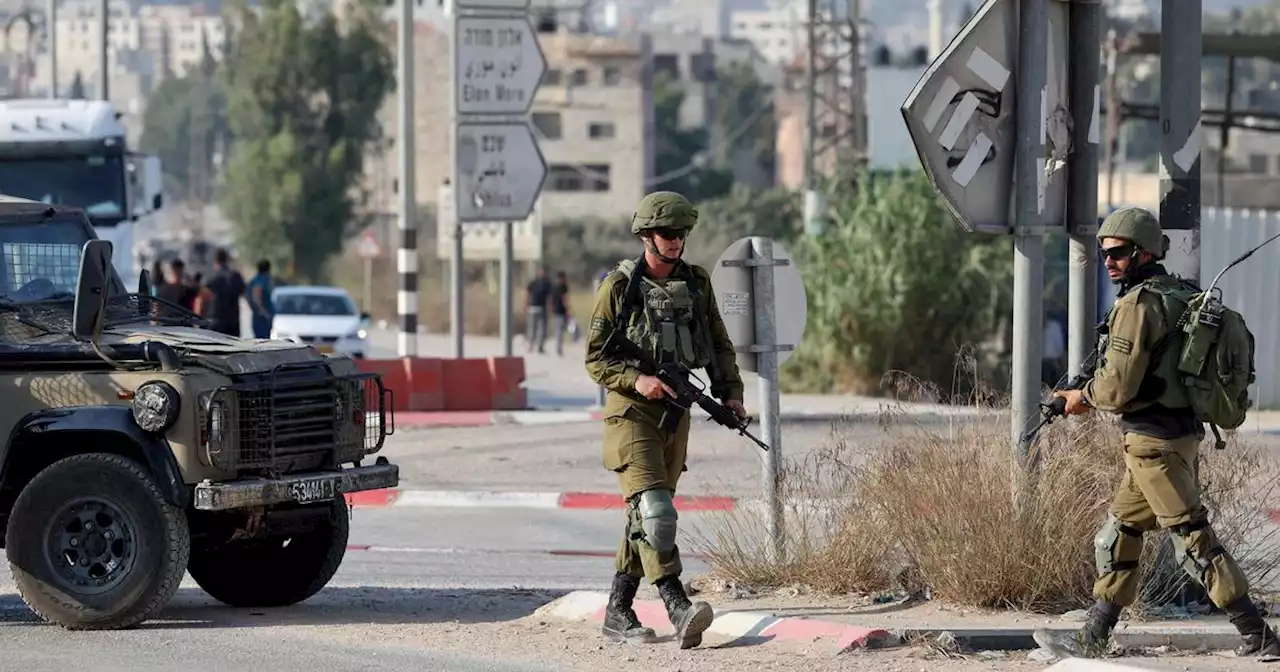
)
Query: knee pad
[
  {"x": 658, "y": 519},
  {"x": 1116, "y": 547},
  {"x": 1193, "y": 564}
]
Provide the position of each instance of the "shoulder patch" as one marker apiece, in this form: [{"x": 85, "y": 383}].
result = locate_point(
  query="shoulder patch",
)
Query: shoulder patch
[
  {"x": 1123, "y": 346},
  {"x": 599, "y": 324}
]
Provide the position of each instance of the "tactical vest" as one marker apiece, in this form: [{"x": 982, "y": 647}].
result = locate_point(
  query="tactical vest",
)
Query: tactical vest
[
  {"x": 1173, "y": 295},
  {"x": 665, "y": 318}
]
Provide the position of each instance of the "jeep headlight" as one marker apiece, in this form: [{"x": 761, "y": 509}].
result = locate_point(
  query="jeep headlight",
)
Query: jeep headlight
[
  {"x": 358, "y": 334},
  {"x": 155, "y": 406}
]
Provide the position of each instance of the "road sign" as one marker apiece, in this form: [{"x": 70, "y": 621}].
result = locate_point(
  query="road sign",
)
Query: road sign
[
  {"x": 368, "y": 247},
  {"x": 733, "y": 281},
  {"x": 492, "y": 4},
  {"x": 482, "y": 241},
  {"x": 961, "y": 119},
  {"x": 498, "y": 64},
  {"x": 500, "y": 171}
]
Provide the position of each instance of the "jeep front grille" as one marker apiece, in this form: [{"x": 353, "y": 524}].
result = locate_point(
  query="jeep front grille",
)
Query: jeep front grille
[{"x": 298, "y": 417}]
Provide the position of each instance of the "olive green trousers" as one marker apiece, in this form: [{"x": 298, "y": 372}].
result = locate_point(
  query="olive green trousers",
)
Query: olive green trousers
[
  {"x": 644, "y": 457},
  {"x": 1160, "y": 489}
]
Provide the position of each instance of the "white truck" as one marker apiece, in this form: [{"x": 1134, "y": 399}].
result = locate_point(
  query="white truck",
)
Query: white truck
[{"x": 74, "y": 152}]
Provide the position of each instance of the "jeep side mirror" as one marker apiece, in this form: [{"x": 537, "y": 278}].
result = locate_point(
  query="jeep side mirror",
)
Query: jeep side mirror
[
  {"x": 365, "y": 316},
  {"x": 91, "y": 288}
]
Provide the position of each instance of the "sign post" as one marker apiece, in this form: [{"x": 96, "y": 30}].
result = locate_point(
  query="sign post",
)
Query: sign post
[
  {"x": 368, "y": 249},
  {"x": 761, "y": 299},
  {"x": 498, "y": 169},
  {"x": 995, "y": 145}
]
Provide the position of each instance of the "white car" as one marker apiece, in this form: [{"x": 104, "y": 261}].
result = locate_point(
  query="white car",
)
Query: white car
[{"x": 323, "y": 317}]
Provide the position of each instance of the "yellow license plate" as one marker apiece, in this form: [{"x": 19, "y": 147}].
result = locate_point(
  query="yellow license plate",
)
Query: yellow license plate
[{"x": 324, "y": 348}]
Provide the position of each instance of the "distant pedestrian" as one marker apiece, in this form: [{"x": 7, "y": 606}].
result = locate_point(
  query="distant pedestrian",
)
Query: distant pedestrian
[
  {"x": 537, "y": 298},
  {"x": 260, "y": 300},
  {"x": 559, "y": 303},
  {"x": 176, "y": 289},
  {"x": 227, "y": 286}
]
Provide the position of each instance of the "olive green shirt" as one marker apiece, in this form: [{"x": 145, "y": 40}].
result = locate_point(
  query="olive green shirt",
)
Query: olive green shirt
[
  {"x": 619, "y": 377},
  {"x": 1125, "y": 382},
  {"x": 1135, "y": 324}
]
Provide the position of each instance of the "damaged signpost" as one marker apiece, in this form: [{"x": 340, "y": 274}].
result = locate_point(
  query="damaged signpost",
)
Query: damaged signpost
[
  {"x": 498, "y": 169},
  {"x": 990, "y": 120},
  {"x": 761, "y": 299}
]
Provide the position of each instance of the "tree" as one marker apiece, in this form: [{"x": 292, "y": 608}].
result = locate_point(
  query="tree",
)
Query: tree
[
  {"x": 680, "y": 159},
  {"x": 744, "y": 118},
  {"x": 896, "y": 285},
  {"x": 184, "y": 124},
  {"x": 303, "y": 98}
]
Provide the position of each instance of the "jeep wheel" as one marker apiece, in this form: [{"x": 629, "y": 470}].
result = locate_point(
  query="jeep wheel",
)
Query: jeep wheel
[
  {"x": 93, "y": 545},
  {"x": 270, "y": 572}
]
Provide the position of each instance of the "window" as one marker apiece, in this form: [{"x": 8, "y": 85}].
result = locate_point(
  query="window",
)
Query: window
[
  {"x": 548, "y": 124},
  {"x": 579, "y": 77},
  {"x": 590, "y": 177},
  {"x": 612, "y": 76},
  {"x": 551, "y": 77},
  {"x": 289, "y": 303},
  {"x": 702, "y": 66},
  {"x": 668, "y": 63},
  {"x": 599, "y": 130},
  {"x": 1258, "y": 164}
]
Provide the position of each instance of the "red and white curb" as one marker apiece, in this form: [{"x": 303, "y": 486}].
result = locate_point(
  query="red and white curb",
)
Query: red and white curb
[
  {"x": 444, "y": 419},
  {"x": 385, "y": 498},
  {"x": 590, "y": 605}
]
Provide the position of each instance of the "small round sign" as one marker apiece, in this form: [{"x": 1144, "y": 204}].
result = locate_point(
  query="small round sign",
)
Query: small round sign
[{"x": 733, "y": 282}]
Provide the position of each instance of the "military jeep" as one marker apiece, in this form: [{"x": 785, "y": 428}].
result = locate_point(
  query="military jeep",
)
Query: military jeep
[{"x": 141, "y": 445}]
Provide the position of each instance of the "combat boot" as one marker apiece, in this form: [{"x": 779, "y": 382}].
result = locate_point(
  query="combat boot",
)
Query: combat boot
[
  {"x": 1259, "y": 639},
  {"x": 620, "y": 620},
  {"x": 689, "y": 619},
  {"x": 1092, "y": 641}
]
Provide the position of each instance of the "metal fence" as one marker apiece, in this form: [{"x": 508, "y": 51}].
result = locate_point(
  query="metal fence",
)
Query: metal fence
[{"x": 1252, "y": 287}]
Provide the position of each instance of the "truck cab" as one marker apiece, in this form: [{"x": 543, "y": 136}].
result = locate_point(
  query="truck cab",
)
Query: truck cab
[{"x": 74, "y": 153}]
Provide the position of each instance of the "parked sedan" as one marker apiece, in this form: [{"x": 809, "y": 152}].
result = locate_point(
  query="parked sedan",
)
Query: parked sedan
[{"x": 323, "y": 317}]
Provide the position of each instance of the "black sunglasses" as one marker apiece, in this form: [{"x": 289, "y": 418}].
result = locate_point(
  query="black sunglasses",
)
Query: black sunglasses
[{"x": 1118, "y": 252}]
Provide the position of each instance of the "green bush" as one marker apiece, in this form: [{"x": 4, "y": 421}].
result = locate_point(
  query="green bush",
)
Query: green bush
[{"x": 896, "y": 285}]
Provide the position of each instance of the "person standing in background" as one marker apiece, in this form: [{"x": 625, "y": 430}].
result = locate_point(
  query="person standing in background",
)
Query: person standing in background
[
  {"x": 537, "y": 297},
  {"x": 227, "y": 286},
  {"x": 260, "y": 300},
  {"x": 560, "y": 308}
]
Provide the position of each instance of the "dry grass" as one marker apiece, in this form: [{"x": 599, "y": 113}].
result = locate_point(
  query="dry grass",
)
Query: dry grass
[{"x": 932, "y": 508}]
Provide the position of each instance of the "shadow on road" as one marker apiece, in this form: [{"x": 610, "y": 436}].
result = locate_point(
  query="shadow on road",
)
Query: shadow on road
[{"x": 336, "y": 605}]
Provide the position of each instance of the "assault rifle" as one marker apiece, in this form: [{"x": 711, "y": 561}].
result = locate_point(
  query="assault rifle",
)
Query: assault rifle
[
  {"x": 1057, "y": 407},
  {"x": 677, "y": 378}
]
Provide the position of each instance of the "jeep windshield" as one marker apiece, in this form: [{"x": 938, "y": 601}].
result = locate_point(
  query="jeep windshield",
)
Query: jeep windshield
[{"x": 40, "y": 253}]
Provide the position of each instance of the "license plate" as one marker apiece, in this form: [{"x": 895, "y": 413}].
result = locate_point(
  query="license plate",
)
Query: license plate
[
  {"x": 324, "y": 348},
  {"x": 313, "y": 490}
]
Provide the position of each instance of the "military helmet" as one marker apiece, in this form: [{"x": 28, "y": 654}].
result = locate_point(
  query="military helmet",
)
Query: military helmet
[
  {"x": 664, "y": 210},
  {"x": 1137, "y": 226}
]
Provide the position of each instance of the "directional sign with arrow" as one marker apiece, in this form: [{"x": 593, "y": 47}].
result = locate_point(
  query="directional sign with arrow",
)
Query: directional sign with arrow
[
  {"x": 498, "y": 65},
  {"x": 961, "y": 119},
  {"x": 500, "y": 171}
]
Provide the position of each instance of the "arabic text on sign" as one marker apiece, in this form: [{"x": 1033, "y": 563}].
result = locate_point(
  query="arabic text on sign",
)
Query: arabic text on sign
[{"x": 491, "y": 37}]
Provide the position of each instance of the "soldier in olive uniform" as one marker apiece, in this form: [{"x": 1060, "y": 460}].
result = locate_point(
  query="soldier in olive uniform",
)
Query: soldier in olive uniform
[
  {"x": 1162, "y": 439},
  {"x": 666, "y": 306}
]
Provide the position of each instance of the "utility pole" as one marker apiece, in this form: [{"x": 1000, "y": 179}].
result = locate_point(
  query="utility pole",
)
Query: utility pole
[
  {"x": 835, "y": 104},
  {"x": 1180, "y": 55},
  {"x": 937, "y": 12},
  {"x": 51, "y": 34},
  {"x": 1028, "y": 238},
  {"x": 407, "y": 257},
  {"x": 104, "y": 75},
  {"x": 1082, "y": 181}
]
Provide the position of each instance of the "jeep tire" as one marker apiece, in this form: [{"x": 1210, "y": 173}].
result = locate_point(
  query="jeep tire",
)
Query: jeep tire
[
  {"x": 93, "y": 545},
  {"x": 269, "y": 573}
]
